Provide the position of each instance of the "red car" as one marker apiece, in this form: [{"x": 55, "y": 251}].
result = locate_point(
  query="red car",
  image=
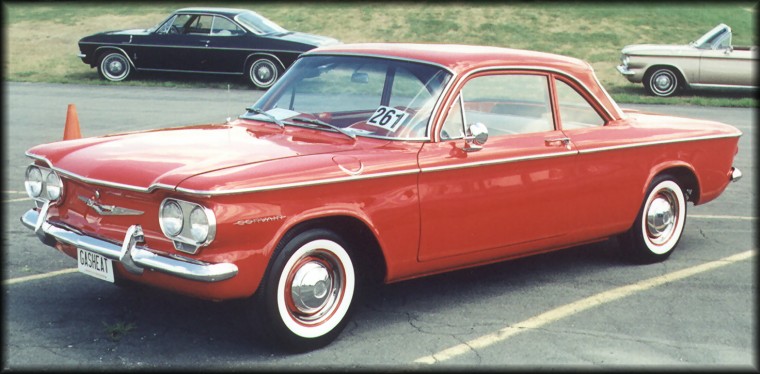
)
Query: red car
[{"x": 376, "y": 162}]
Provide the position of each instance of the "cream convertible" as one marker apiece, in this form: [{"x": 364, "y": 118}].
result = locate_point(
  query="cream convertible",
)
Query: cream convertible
[{"x": 711, "y": 61}]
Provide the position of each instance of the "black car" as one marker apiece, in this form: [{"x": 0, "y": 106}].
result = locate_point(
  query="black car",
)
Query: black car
[{"x": 201, "y": 40}]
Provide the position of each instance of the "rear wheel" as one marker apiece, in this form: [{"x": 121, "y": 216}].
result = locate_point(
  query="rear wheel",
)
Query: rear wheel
[
  {"x": 659, "y": 224},
  {"x": 305, "y": 298},
  {"x": 263, "y": 72},
  {"x": 114, "y": 66}
]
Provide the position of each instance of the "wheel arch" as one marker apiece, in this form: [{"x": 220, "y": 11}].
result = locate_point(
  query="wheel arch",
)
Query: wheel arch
[
  {"x": 681, "y": 75},
  {"x": 356, "y": 232},
  {"x": 105, "y": 49},
  {"x": 685, "y": 176},
  {"x": 252, "y": 57}
]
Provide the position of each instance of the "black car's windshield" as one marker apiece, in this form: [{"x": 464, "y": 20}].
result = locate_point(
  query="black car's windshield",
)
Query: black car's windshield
[
  {"x": 364, "y": 96},
  {"x": 258, "y": 24}
]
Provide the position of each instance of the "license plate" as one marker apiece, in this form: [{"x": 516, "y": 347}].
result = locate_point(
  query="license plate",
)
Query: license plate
[{"x": 95, "y": 265}]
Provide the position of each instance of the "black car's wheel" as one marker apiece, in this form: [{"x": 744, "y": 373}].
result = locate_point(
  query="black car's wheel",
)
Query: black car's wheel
[
  {"x": 659, "y": 224},
  {"x": 262, "y": 73},
  {"x": 114, "y": 66},
  {"x": 662, "y": 82},
  {"x": 305, "y": 298}
]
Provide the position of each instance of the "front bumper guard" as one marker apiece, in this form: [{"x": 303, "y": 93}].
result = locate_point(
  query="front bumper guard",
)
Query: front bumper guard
[{"x": 133, "y": 256}]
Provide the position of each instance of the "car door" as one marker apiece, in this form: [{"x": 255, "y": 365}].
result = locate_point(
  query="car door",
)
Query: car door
[
  {"x": 721, "y": 64},
  {"x": 512, "y": 196},
  {"x": 178, "y": 45},
  {"x": 228, "y": 47}
]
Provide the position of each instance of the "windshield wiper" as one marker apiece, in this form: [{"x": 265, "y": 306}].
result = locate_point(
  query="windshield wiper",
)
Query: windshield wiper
[
  {"x": 325, "y": 124},
  {"x": 267, "y": 115}
]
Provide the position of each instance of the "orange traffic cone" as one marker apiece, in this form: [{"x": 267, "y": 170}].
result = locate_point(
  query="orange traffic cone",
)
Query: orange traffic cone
[{"x": 71, "y": 130}]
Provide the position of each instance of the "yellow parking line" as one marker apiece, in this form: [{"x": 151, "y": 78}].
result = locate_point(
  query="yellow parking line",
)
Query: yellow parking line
[
  {"x": 15, "y": 200},
  {"x": 577, "y": 307},
  {"x": 742, "y": 218},
  {"x": 38, "y": 276}
]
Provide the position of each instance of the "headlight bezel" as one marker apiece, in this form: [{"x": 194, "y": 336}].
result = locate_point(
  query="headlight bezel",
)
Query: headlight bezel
[
  {"x": 184, "y": 239},
  {"x": 40, "y": 187}
]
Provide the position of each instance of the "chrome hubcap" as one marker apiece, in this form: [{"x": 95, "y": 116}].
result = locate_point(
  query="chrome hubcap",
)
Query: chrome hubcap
[
  {"x": 115, "y": 66},
  {"x": 663, "y": 82},
  {"x": 314, "y": 289},
  {"x": 661, "y": 219},
  {"x": 264, "y": 73}
]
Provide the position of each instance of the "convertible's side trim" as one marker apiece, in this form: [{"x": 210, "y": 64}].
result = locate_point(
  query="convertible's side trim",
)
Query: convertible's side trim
[
  {"x": 209, "y": 193},
  {"x": 134, "y": 257},
  {"x": 700, "y": 85}
]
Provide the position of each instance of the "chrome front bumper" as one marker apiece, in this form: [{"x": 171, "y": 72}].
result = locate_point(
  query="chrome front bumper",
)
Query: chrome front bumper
[
  {"x": 133, "y": 256},
  {"x": 622, "y": 69}
]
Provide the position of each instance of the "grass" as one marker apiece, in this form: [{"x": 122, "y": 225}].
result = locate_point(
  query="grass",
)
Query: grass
[{"x": 41, "y": 37}]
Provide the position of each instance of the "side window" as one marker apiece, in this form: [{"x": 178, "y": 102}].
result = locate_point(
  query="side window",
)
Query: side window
[
  {"x": 224, "y": 27},
  {"x": 508, "y": 103},
  {"x": 201, "y": 25},
  {"x": 574, "y": 111},
  {"x": 176, "y": 25}
]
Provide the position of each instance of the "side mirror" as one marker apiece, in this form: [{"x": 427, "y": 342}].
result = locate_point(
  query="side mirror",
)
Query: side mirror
[
  {"x": 476, "y": 136},
  {"x": 359, "y": 78}
]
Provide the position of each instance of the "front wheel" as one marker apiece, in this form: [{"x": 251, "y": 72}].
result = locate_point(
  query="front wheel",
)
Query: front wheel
[
  {"x": 662, "y": 82},
  {"x": 114, "y": 66},
  {"x": 659, "y": 224},
  {"x": 262, "y": 73},
  {"x": 305, "y": 297}
]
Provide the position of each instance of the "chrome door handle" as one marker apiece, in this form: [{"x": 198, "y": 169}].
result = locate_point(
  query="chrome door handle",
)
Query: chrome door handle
[{"x": 557, "y": 142}]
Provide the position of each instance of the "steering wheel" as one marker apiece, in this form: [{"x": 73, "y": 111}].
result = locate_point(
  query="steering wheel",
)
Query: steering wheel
[{"x": 173, "y": 30}]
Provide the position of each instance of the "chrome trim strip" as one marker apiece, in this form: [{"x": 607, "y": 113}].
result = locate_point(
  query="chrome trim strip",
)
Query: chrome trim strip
[
  {"x": 659, "y": 142},
  {"x": 194, "y": 47},
  {"x": 353, "y": 178},
  {"x": 297, "y": 184},
  {"x": 498, "y": 162},
  {"x": 142, "y": 257},
  {"x": 700, "y": 85}
]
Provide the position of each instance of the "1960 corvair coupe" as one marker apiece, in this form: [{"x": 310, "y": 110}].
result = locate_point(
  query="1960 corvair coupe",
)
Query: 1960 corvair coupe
[{"x": 376, "y": 162}]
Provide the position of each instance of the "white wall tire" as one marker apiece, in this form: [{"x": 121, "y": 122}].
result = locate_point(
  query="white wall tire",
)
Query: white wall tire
[
  {"x": 306, "y": 297},
  {"x": 114, "y": 66},
  {"x": 659, "y": 224},
  {"x": 262, "y": 73}
]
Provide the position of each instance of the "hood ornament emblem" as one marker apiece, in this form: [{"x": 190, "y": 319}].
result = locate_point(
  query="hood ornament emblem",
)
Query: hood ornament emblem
[{"x": 108, "y": 210}]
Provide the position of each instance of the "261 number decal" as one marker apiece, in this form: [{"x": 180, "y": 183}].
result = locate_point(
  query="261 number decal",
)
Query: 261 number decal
[{"x": 388, "y": 118}]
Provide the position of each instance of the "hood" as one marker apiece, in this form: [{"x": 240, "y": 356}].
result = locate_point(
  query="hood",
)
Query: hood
[
  {"x": 657, "y": 49},
  {"x": 310, "y": 39},
  {"x": 167, "y": 157}
]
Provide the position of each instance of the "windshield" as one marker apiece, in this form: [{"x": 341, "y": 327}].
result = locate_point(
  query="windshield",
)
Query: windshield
[
  {"x": 362, "y": 96},
  {"x": 258, "y": 24},
  {"x": 718, "y": 37}
]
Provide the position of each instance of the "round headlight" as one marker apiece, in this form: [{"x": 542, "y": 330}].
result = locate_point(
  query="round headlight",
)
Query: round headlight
[
  {"x": 33, "y": 181},
  {"x": 171, "y": 218},
  {"x": 53, "y": 186},
  {"x": 199, "y": 225}
]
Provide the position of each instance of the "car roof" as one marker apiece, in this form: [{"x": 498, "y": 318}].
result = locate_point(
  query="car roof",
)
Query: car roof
[
  {"x": 229, "y": 12},
  {"x": 462, "y": 59},
  {"x": 459, "y": 57}
]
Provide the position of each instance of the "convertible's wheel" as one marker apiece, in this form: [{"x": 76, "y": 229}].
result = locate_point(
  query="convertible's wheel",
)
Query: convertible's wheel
[
  {"x": 114, "y": 67},
  {"x": 659, "y": 224},
  {"x": 662, "y": 82},
  {"x": 305, "y": 298},
  {"x": 263, "y": 72}
]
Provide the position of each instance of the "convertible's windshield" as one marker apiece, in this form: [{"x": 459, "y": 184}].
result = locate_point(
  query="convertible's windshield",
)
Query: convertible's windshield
[
  {"x": 258, "y": 24},
  {"x": 717, "y": 38},
  {"x": 364, "y": 96}
]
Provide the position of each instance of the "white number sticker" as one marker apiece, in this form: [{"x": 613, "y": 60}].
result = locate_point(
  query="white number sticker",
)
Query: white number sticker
[{"x": 388, "y": 118}]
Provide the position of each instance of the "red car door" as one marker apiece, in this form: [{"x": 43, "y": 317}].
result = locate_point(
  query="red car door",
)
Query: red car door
[{"x": 512, "y": 196}]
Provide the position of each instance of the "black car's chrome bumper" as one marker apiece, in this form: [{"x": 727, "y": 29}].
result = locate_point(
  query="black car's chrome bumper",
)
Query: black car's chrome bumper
[{"x": 135, "y": 258}]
